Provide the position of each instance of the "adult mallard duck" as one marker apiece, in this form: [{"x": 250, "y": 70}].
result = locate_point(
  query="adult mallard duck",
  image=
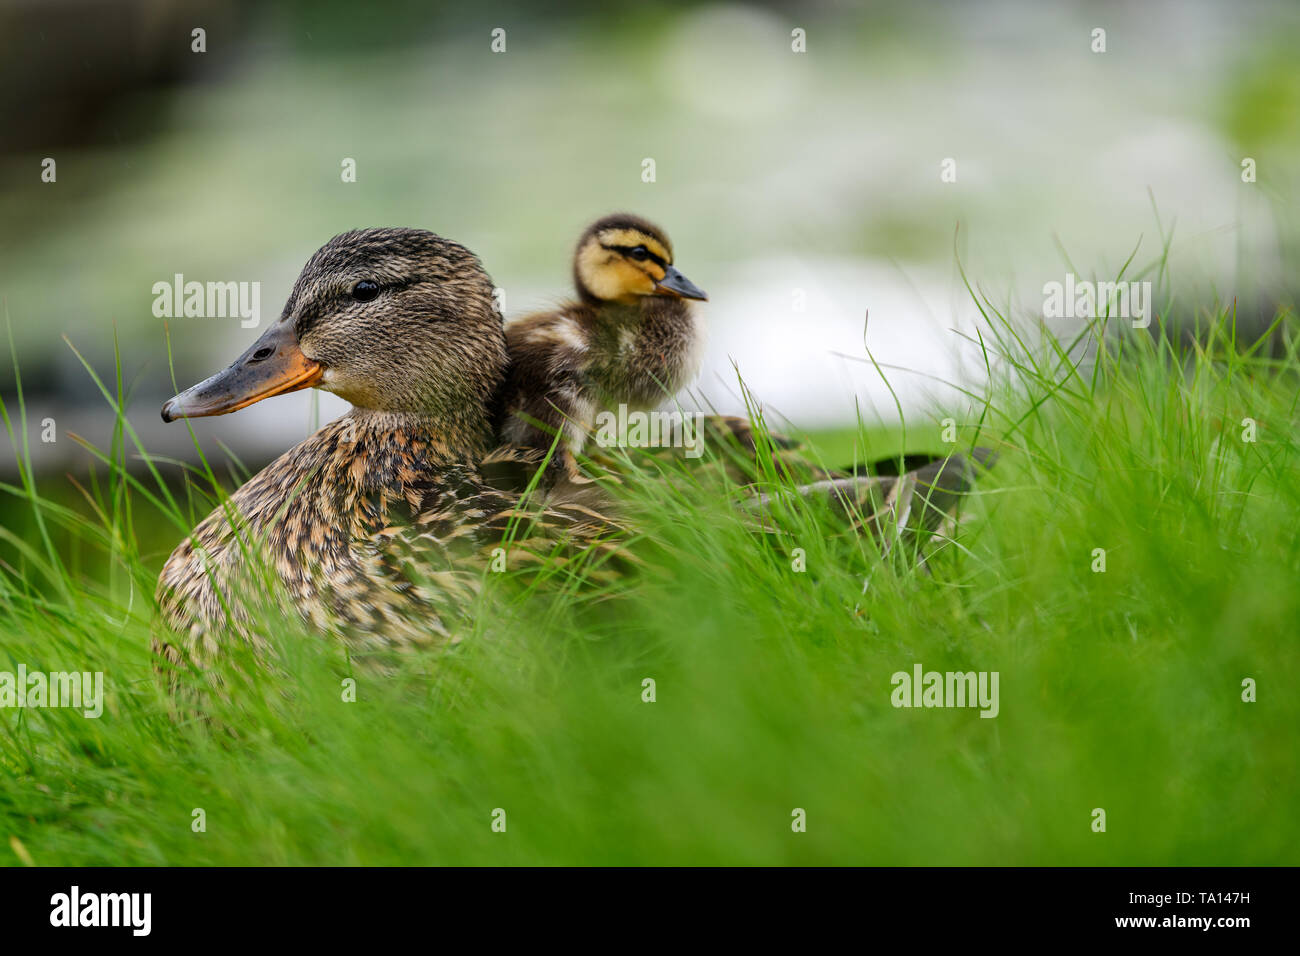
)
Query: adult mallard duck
[
  {"x": 630, "y": 339},
  {"x": 379, "y": 524}
]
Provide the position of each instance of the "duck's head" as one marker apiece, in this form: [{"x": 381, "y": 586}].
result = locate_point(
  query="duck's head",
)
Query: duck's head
[
  {"x": 393, "y": 320},
  {"x": 623, "y": 258}
]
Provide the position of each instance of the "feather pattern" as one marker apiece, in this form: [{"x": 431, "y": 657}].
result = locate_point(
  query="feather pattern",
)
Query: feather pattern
[{"x": 371, "y": 534}]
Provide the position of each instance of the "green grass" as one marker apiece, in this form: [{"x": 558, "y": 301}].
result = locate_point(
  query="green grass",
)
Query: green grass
[{"x": 1120, "y": 690}]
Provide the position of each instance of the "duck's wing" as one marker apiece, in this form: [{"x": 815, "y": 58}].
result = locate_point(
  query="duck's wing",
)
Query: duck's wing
[
  {"x": 901, "y": 497},
  {"x": 725, "y": 444},
  {"x": 750, "y": 456},
  {"x": 910, "y": 506}
]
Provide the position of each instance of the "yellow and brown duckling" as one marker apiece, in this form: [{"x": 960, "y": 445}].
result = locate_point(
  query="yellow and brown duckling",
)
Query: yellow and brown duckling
[
  {"x": 380, "y": 524},
  {"x": 630, "y": 339}
]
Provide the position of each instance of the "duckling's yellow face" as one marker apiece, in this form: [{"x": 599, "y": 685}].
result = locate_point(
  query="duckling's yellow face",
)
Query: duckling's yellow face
[{"x": 622, "y": 262}]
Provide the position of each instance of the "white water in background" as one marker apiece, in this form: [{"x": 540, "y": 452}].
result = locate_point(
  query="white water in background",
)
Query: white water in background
[{"x": 770, "y": 164}]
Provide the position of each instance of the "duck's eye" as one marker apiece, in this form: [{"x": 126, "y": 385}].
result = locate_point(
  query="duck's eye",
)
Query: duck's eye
[
  {"x": 640, "y": 253},
  {"x": 365, "y": 290}
]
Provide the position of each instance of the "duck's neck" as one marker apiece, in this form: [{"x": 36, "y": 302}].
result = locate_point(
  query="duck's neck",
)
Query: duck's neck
[
  {"x": 457, "y": 439},
  {"x": 667, "y": 311}
]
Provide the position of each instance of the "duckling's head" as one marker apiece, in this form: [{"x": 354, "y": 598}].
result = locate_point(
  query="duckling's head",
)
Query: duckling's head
[
  {"x": 623, "y": 258},
  {"x": 393, "y": 320}
]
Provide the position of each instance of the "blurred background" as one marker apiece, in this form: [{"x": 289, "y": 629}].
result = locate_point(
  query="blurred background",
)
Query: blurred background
[{"x": 803, "y": 190}]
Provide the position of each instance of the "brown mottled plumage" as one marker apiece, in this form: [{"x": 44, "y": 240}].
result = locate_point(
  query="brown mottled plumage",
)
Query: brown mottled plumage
[
  {"x": 630, "y": 339},
  {"x": 379, "y": 526}
]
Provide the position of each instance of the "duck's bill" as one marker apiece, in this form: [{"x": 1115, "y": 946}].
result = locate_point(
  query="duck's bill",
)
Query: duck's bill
[
  {"x": 675, "y": 284},
  {"x": 273, "y": 365}
]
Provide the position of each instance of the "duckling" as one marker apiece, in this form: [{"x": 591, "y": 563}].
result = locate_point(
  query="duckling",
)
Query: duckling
[
  {"x": 377, "y": 526},
  {"x": 630, "y": 338}
]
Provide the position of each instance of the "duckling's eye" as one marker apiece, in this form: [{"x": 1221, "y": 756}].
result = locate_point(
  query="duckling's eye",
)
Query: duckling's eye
[
  {"x": 640, "y": 253},
  {"x": 365, "y": 290}
]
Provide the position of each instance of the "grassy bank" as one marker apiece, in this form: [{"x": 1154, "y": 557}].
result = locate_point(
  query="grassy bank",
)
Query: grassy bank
[{"x": 1120, "y": 689}]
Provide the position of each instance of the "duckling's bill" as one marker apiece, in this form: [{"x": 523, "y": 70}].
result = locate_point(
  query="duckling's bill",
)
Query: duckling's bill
[
  {"x": 273, "y": 365},
  {"x": 675, "y": 284}
]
